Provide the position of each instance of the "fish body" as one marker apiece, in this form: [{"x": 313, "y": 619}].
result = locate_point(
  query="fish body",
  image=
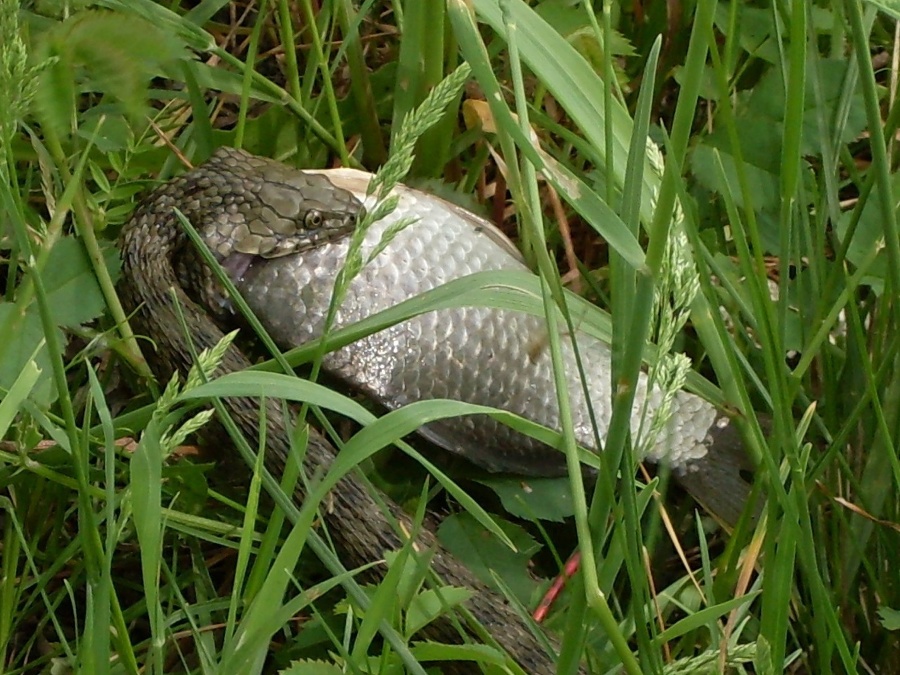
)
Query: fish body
[{"x": 483, "y": 355}]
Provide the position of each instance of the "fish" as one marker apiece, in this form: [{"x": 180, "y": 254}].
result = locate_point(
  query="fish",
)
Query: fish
[{"x": 488, "y": 356}]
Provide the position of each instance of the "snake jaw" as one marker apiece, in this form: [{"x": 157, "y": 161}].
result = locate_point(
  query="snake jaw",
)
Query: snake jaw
[
  {"x": 323, "y": 228},
  {"x": 237, "y": 250}
]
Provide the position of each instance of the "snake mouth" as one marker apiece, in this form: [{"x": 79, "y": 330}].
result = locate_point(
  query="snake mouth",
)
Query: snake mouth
[{"x": 237, "y": 265}]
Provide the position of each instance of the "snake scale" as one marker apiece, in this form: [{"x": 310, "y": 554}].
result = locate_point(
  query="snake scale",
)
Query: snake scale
[{"x": 151, "y": 291}]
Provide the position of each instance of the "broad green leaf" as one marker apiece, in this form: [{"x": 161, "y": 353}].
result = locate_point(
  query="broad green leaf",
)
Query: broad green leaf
[
  {"x": 18, "y": 392},
  {"x": 534, "y": 498},
  {"x": 889, "y": 618},
  {"x": 755, "y": 29},
  {"x": 119, "y": 53},
  {"x": 74, "y": 298},
  {"x": 54, "y": 99},
  {"x": 72, "y": 290},
  {"x": 869, "y": 237},
  {"x": 487, "y": 556},
  {"x": 764, "y": 184},
  {"x": 108, "y": 132},
  {"x": 824, "y": 87},
  {"x": 20, "y": 333}
]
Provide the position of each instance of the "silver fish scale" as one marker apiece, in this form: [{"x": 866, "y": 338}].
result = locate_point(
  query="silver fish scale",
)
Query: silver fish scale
[{"x": 480, "y": 355}]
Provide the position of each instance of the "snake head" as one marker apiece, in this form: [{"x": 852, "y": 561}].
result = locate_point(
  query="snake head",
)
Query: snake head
[
  {"x": 268, "y": 238},
  {"x": 277, "y": 237},
  {"x": 251, "y": 208}
]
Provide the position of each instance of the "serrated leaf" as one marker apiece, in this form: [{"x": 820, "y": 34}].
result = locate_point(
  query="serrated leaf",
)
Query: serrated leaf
[
  {"x": 112, "y": 53},
  {"x": 109, "y": 133},
  {"x": 311, "y": 667},
  {"x": 755, "y": 29},
  {"x": 72, "y": 289}
]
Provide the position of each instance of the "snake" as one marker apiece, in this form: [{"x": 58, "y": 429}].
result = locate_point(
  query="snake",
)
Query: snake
[{"x": 306, "y": 209}]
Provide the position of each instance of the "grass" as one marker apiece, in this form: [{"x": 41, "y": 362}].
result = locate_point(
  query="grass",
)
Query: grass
[{"x": 777, "y": 123}]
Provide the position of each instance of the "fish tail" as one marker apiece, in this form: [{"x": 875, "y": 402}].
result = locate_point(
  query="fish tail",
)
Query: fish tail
[{"x": 721, "y": 480}]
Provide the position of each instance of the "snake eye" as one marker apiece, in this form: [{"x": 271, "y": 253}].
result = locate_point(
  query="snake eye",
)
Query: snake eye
[{"x": 313, "y": 219}]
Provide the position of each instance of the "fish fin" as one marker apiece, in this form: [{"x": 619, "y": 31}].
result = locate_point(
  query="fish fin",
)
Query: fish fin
[{"x": 717, "y": 480}]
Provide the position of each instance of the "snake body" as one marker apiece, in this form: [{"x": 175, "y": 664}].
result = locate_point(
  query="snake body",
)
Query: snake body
[{"x": 152, "y": 290}]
